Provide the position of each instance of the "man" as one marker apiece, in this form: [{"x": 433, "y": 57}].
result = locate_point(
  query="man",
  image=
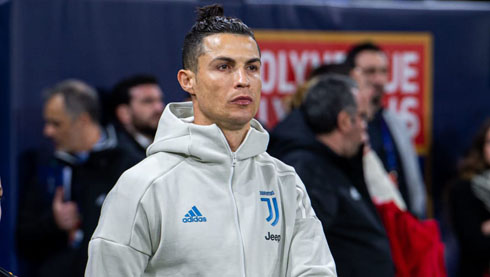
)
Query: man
[
  {"x": 138, "y": 105},
  {"x": 323, "y": 140},
  {"x": 60, "y": 210},
  {"x": 209, "y": 201},
  {"x": 388, "y": 135}
]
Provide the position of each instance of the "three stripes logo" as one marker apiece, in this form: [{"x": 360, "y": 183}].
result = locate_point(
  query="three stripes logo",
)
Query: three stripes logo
[
  {"x": 268, "y": 197},
  {"x": 194, "y": 215}
]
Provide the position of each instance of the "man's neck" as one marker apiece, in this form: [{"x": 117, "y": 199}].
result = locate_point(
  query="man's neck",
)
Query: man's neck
[
  {"x": 143, "y": 140},
  {"x": 93, "y": 134},
  {"x": 334, "y": 141},
  {"x": 235, "y": 137},
  {"x": 135, "y": 133}
]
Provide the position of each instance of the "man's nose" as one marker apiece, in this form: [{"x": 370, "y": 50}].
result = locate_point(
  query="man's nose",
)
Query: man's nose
[
  {"x": 48, "y": 130},
  {"x": 241, "y": 78},
  {"x": 380, "y": 78}
]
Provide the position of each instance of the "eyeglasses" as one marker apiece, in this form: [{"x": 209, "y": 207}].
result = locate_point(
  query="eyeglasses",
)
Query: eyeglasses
[{"x": 372, "y": 70}]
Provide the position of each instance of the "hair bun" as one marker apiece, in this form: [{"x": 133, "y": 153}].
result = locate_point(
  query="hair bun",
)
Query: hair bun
[{"x": 209, "y": 11}]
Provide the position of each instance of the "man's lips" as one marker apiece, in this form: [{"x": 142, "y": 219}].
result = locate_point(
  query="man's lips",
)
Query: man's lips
[{"x": 242, "y": 100}]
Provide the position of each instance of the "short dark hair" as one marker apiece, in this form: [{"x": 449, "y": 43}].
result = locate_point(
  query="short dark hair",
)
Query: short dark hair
[
  {"x": 120, "y": 92},
  {"x": 78, "y": 97},
  {"x": 350, "y": 59},
  {"x": 337, "y": 68},
  {"x": 474, "y": 161},
  {"x": 210, "y": 21},
  {"x": 325, "y": 99}
]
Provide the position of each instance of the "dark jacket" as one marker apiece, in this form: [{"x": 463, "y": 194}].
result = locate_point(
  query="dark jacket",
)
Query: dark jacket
[
  {"x": 467, "y": 214},
  {"x": 127, "y": 142},
  {"x": 339, "y": 197},
  {"x": 40, "y": 242}
]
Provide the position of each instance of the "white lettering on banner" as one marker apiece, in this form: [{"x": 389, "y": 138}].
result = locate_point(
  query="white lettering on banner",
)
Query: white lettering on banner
[
  {"x": 269, "y": 81},
  {"x": 410, "y": 72},
  {"x": 406, "y": 111},
  {"x": 403, "y": 70},
  {"x": 284, "y": 86},
  {"x": 278, "y": 107},
  {"x": 299, "y": 65},
  {"x": 333, "y": 57},
  {"x": 315, "y": 59},
  {"x": 280, "y": 65},
  {"x": 276, "y": 70},
  {"x": 263, "y": 111}
]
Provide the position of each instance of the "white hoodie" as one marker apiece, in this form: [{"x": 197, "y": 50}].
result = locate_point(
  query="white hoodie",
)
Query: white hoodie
[{"x": 195, "y": 208}]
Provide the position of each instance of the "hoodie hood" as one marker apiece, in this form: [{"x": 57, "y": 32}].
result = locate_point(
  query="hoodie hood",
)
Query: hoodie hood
[{"x": 177, "y": 134}]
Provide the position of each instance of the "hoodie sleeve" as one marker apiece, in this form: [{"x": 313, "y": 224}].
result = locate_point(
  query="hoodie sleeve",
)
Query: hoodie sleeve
[
  {"x": 108, "y": 258},
  {"x": 121, "y": 244},
  {"x": 309, "y": 253}
]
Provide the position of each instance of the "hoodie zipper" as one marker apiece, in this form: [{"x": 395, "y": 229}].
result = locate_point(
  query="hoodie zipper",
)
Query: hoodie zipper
[{"x": 237, "y": 224}]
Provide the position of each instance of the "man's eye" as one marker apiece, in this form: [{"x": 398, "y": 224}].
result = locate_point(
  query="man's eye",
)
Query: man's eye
[
  {"x": 223, "y": 67},
  {"x": 370, "y": 71},
  {"x": 53, "y": 124},
  {"x": 253, "y": 68}
]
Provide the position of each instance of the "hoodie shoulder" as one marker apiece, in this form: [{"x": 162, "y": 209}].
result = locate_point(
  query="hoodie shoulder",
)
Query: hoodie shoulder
[
  {"x": 138, "y": 178},
  {"x": 280, "y": 167},
  {"x": 122, "y": 204}
]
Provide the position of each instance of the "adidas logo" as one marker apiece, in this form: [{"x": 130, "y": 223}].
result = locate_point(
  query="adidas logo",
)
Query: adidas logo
[{"x": 194, "y": 215}]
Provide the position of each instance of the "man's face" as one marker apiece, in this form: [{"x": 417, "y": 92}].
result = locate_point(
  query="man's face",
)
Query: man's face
[
  {"x": 371, "y": 73},
  {"x": 356, "y": 134},
  {"x": 59, "y": 126},
  {"x": 363, "y": 111},
  {"x": 226, "y": 87},
  {"x": 146, "y": 107}
]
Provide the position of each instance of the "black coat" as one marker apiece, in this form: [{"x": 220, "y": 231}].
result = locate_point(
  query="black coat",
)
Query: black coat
[
  {"x": 40, "y": 242},
  {"x": 467, "y": 214},
  {"x": 127, "y": 142},
  {"x": 339, "y": 196}
]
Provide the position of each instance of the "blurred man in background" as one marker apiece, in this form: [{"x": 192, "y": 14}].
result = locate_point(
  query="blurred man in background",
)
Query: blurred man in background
[
  {"x": 322, "y": 140},
  {"x": 388, "y": 135},
  {"x": 59, "y": 211},
  {"x": 138, "y": 105}
]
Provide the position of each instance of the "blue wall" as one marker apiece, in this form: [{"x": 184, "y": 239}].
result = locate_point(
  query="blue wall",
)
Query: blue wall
[{"x": 7, "y": 258}]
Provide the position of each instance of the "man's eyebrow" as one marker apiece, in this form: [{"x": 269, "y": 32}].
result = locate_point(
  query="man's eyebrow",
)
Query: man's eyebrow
[
  {"x": 225, "y": 59},
  {"x": 230, "y": 60},
  {"x": 253, "y": 60}
]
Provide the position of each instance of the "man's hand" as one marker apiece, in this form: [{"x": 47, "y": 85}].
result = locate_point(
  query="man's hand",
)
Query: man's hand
[{"x": 65, "y": 213}]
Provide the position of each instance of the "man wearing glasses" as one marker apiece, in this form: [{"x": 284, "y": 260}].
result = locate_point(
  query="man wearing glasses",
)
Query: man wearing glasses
[{"x": 387, "y": 132}]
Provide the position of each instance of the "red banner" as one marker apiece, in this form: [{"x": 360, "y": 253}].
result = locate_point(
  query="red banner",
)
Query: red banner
[{"x": 287, "y": 57}]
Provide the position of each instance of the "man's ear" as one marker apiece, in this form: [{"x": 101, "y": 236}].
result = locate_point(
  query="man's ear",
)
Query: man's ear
[
  {"x": 344, "y": 121},
  {"x": 123, "y": 114},
  {"x": 84, "y": 119},
  {"x": 187, "y": 80}
]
